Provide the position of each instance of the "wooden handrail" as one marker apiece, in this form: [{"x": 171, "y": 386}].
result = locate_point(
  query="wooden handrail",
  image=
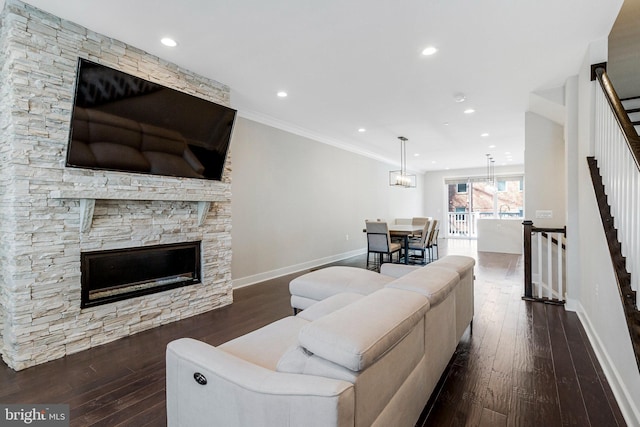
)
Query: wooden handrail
[
  {"x": 633, "y": 141},
  {"x": 535, "y": 229}
]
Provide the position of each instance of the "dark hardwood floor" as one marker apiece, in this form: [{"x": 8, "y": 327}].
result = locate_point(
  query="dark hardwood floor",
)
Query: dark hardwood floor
[{"x": 526, "y": 364}]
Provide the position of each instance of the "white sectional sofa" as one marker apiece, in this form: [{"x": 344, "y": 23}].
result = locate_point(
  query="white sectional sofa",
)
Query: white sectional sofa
[{"x": 359, "y": 355}]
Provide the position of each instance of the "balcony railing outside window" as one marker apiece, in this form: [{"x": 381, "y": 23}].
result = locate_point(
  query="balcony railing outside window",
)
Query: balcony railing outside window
[{"x": 470, "y": 199}]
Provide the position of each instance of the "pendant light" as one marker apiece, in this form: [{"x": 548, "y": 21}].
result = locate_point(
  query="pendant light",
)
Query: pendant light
[
  {"x": 491, "y": 175},
  {"x": 400, "y": 178}
]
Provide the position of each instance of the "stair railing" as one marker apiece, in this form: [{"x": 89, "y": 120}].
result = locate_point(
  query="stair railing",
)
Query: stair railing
[
  {"x": 617, "y": 151},
  {"x": 615, "y": 172},
  {"x": 544, "y": 264}
]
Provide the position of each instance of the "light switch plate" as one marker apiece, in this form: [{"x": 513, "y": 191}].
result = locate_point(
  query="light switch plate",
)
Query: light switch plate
[{"x": 544, "y": 214}]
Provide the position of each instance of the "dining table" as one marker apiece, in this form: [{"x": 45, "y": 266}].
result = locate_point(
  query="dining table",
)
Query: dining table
[{"x": 404, "y": 231}]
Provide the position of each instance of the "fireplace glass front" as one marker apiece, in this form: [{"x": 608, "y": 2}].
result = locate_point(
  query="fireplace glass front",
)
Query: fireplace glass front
[{"x": 118, "y": 274}]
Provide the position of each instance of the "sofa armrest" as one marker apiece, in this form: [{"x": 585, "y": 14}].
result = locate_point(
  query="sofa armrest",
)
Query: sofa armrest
[
  {"x": 239, "y": 393},
  {"x": 396, "y": 270}
]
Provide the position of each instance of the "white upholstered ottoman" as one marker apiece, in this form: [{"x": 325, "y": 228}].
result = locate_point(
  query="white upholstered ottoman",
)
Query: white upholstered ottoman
[{"x": 317, "y": 285}]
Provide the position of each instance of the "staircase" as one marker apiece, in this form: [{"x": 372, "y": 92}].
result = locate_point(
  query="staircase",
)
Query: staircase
[
  {"x": 615, "y": 172},
  {"x": 632, "y": 107},
  {"x": 627, "y": 294}
]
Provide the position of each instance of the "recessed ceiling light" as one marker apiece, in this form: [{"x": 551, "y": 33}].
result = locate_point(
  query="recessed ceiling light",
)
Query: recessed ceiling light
[
  {"x": 484, "y": 135},
  {"x": 416, "y": 155},
  {"x": 433, "y": 162},
  {"x": 167, "y": 41},
  {"x": 282, "y": 94},
  {"x": 469, "y": 111},
  {"x": 447, "y": 168},
  {"x": 362, "y": 130},
  {"x": 492, "y": 146},
  {"x": 429, "y": 51}
]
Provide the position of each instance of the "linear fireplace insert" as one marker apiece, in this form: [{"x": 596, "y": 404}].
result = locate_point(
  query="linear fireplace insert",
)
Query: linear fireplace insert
[{"x": 118, "y": 274}]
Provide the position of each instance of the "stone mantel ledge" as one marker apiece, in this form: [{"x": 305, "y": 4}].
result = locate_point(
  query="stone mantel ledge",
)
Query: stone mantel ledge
[
  {"x": 88, "y": 197},
  {"x": 119, "y": 194}
]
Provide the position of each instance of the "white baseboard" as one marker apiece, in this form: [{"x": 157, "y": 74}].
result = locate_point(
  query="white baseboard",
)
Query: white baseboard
[
  {"x": 268, "y": 275},
  {"x": 572, "y": 305},
  {"x": 625, "y": 400}
]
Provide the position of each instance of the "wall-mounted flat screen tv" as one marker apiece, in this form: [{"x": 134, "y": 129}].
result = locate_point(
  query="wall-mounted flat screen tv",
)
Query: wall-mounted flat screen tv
[{"x": 124, "y": 123}]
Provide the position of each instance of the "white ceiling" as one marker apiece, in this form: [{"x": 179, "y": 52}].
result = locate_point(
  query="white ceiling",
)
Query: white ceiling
[{"x": 358, "y": 63}]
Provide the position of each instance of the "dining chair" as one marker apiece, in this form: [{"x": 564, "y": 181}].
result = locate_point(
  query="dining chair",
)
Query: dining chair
[
  {"x": 432, "y": 240},
  {"x": 419, "y": 220},
  {"x": 434, "y": 244},
  {"x": 420, "y": 244},
  {"x": 379, "y": 243}
]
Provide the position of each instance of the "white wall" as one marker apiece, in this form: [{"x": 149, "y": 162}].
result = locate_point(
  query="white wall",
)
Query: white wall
[
  {"x": 572, "y": 168},
  {"x": 295, "y": 200},
  {"x": 624, "y": 55},
  {"x": 544, "y": 164},
  {"x": 500, "y": 235}
]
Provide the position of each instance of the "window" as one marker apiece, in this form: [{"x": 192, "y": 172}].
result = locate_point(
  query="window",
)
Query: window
[
  {"x": 471, "y": 198},
  {"x": 509, "y": 200}
]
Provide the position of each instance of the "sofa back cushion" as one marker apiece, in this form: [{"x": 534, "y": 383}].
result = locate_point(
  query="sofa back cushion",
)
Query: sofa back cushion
[
  {"x": 357, "y": 335},
  {"x": 462, "y": 264},
  {"x": 433, "y": 282}
]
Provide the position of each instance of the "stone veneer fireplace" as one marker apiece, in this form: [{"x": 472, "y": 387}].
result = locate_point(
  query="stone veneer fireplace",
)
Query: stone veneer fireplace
[{"x": 50, "y": 215}]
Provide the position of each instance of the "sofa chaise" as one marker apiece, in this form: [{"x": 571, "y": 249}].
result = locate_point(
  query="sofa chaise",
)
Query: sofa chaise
[{"x": 353, "y": 357}]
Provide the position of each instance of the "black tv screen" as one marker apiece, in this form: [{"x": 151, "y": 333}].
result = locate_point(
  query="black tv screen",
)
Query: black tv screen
[{"x": 124, "y": 123}]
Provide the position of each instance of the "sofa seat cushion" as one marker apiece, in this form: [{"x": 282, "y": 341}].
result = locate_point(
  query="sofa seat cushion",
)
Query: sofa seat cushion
[
  {"x": 357, "y": 335},
  {"x": 433, "y": 282},
  {"x": 329, "y": 305},
  {"x": 325, "y": 282},
  {"x": 265, "y": 346}
]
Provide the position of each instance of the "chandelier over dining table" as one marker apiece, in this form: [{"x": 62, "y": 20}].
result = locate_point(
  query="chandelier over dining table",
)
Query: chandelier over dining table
[
  {"x": 400, "y": 178},
  {"x": 491, "y": 174}
]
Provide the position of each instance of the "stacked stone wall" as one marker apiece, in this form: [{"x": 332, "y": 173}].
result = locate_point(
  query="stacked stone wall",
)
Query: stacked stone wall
[{"x": 40, "y": 199}]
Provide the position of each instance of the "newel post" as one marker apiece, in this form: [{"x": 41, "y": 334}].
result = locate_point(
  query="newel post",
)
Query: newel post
[{"x": 528, "y": 284}]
